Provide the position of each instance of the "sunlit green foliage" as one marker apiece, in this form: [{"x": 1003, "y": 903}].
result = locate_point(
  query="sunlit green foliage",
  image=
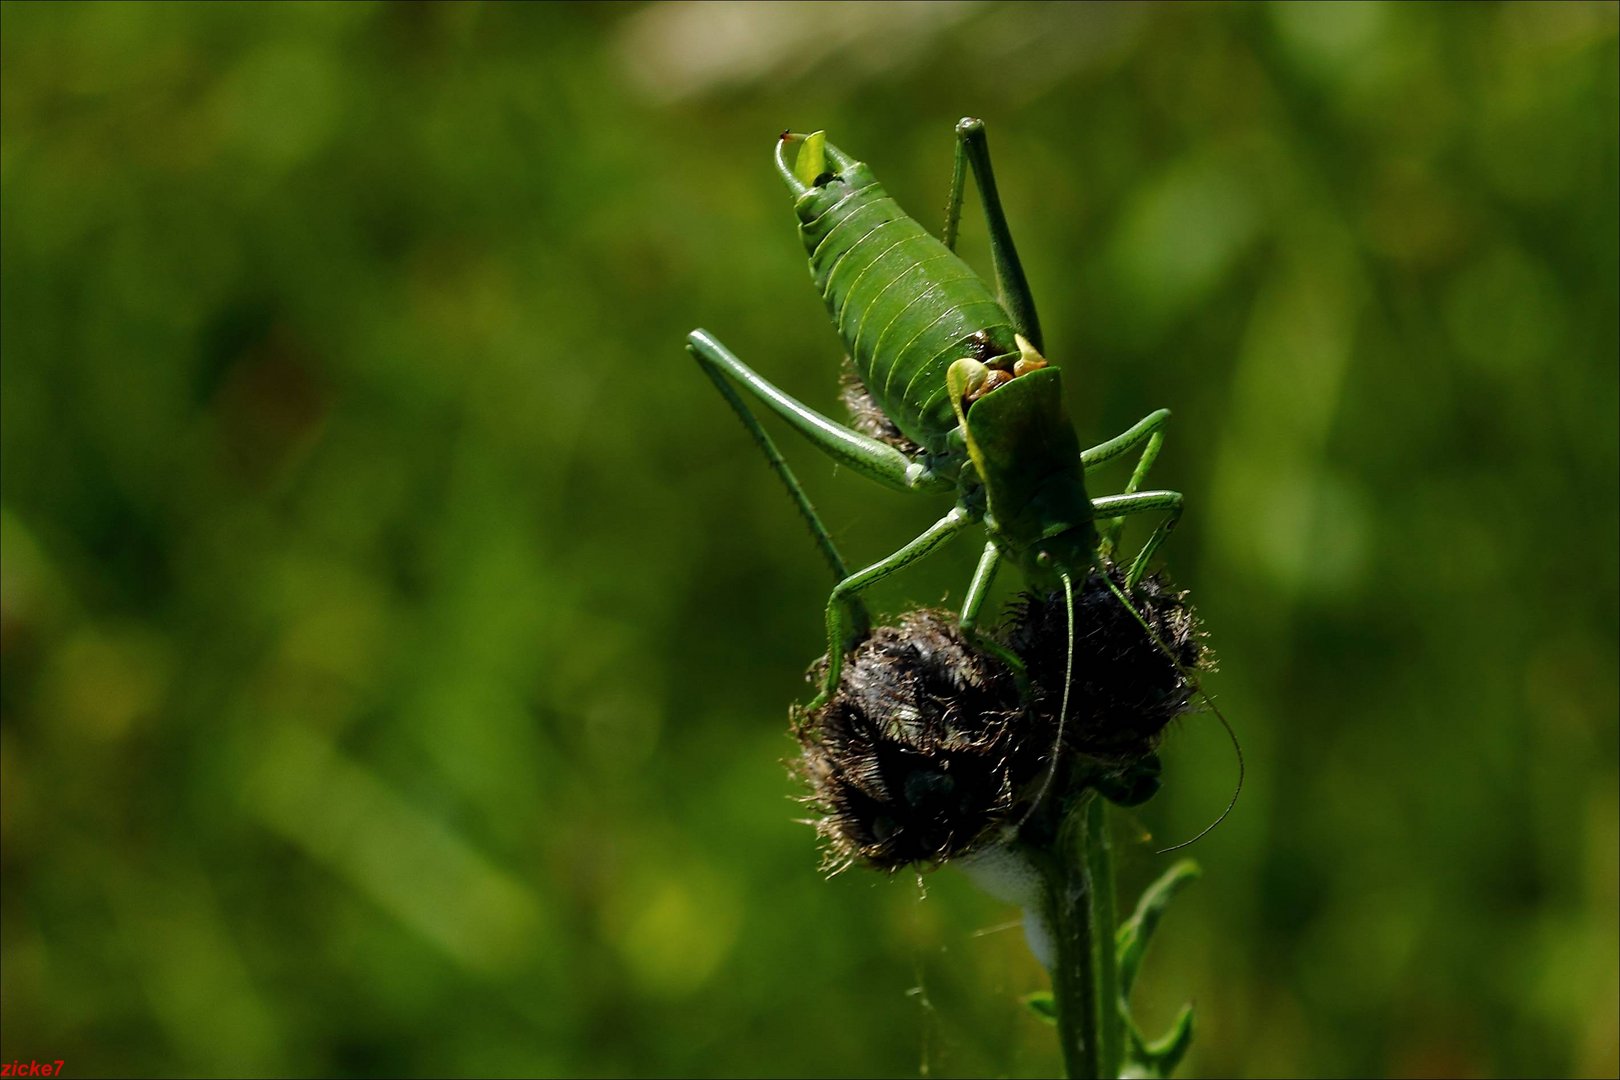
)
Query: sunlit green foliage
[{"x": 398, "y": 630}]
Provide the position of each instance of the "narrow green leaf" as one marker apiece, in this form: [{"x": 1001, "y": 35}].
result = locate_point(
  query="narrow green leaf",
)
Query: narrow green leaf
[
  {"x": 1132, "y": 938},
  {"x": 812, "y": 159},
  {"x": 1159, "y": 1059},
  {"x": 1167, "y": 1053},
  {"x": 1042, "y": 1004}
]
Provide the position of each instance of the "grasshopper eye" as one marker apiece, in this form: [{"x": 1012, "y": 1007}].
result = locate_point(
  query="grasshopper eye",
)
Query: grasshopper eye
[{"x": 1044, "y": 560}]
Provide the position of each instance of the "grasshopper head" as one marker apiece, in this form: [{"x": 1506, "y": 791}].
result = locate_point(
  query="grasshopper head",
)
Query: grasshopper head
[{"x": 1024, "y": 449}]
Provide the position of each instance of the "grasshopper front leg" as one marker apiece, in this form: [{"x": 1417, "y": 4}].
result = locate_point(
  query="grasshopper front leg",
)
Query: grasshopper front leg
[
  {"x": 978, "y": 589},
  {"x": 840, "y": 604}
]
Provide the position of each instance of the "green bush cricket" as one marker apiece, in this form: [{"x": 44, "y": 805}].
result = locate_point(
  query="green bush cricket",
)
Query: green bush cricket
[
  {"x": 958, "y": 370},
  {"x": 965, "y": 402}
]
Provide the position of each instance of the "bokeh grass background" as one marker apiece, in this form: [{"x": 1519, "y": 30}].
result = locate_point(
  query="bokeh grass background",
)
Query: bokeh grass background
[{"x": 398, "y": 631}]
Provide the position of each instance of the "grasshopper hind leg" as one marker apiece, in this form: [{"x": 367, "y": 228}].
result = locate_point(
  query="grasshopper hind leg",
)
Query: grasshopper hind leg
[
  {"x": 973, "y": 151},
  {"x": 848, "y": 620},
  {"x": 784, "y": 471}
]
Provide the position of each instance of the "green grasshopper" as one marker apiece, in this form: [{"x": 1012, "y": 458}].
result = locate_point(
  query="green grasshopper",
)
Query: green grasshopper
[{"x": 958, "y": 370}]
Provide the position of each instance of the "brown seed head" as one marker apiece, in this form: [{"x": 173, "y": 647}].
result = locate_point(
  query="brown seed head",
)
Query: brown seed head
[{"x": 927, "y": 751}]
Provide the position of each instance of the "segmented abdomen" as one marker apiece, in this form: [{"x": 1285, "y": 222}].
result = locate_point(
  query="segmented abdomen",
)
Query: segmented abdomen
[{"x": 905, "y": 305}]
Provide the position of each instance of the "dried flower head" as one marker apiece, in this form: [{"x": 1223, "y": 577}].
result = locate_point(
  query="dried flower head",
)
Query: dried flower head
[
  {"x": 927, "y": 750},
  {"x": 912, "y": 760},
  {"x": 1126, "y": 689},
  {"x": 866, "y": 416}
]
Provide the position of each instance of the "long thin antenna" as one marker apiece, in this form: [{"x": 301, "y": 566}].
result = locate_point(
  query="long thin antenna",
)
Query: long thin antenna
[
  {"x": 1063, "y": 710},
  {"x": 1185, "y": 674}
]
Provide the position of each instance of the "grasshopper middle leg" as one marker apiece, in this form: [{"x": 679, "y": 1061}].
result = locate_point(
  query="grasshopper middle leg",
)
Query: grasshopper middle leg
[{"x": 1150, "y": 429}]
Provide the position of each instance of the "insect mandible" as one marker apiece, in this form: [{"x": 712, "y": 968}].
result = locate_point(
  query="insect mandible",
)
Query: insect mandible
[{"x": 958, "y": 370}]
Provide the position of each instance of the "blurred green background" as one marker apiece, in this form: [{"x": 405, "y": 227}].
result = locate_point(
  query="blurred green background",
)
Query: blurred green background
[{"x": 398, "y": 630}]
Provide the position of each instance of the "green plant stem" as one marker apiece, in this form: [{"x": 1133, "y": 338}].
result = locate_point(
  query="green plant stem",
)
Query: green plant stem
[
  {"x": 1079, "y": 898},
  {"x": 1105, "y": 923}
]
